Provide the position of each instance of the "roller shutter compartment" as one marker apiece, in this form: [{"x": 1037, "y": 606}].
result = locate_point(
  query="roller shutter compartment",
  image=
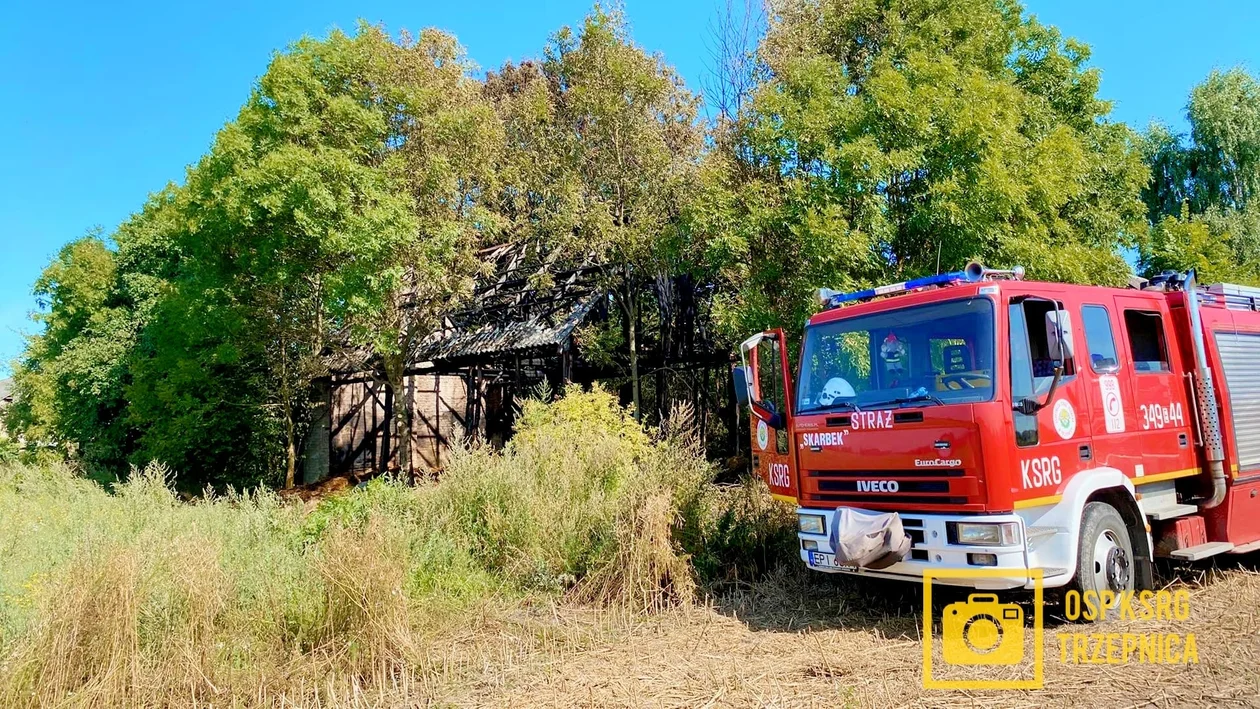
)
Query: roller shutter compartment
[{"x": 1240, "y": 358}]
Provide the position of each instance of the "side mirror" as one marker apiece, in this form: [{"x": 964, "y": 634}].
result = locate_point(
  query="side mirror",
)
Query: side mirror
[
  {"x": 742, "y": 395},
  {"x": 1060, "y": 347}
]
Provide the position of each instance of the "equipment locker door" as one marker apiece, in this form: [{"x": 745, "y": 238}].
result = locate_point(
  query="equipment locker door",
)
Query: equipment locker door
[
  {"x": 773, "y": 454},
  {"x": 1162, "y": 425}
]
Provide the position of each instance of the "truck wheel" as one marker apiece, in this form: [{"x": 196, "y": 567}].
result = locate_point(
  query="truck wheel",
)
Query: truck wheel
[{"x": 1104, "y": 557}]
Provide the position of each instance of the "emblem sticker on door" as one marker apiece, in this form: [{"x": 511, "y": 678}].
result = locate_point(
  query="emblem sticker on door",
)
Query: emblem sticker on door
[
  {"x": 1064, "y": 419},
  {"x": 763, "y": 434}
]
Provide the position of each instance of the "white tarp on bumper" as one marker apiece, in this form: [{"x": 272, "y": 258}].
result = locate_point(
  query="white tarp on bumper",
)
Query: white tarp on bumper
[{"x": 872, "y": 540}]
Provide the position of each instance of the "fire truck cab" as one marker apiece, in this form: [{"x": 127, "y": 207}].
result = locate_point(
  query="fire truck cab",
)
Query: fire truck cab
[{"x": 978, "y": 420}]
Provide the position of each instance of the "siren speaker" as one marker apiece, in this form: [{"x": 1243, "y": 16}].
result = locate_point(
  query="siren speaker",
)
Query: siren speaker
[{"x": 974, "y": 271}]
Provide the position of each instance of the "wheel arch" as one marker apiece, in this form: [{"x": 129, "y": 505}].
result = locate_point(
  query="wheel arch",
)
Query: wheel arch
[{"x": 1102, "y": 484}]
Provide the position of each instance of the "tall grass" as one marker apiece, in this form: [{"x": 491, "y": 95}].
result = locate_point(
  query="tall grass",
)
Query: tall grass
[{"x": 135, "y": 598}]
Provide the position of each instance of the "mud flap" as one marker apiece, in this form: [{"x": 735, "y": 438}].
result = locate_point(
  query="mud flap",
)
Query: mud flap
[{"x": 871, "y": 540}]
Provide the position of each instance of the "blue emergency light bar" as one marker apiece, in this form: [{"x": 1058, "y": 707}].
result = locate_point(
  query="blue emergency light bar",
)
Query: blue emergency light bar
[
  {"x": 832, "y": 299},
  {"x": 973, "y": 273}
]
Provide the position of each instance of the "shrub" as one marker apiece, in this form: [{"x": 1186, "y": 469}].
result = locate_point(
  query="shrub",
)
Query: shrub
[{"x": 136, "y": 598}]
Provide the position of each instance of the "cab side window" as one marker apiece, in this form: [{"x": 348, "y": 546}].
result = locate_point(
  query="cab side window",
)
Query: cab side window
[
  {"x": 769, "y": 375},
  {"x": 770, "y": 385},
  {"x": 1096, "y": 321},
  {"x": 1040, "y": 343},
  {"x": 1049, "y": 344},
  {"x": 1022, "y": 386},
  {"x": 1145, "y": 329}
]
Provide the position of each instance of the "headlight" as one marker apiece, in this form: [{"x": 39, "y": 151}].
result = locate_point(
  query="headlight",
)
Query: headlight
[
  {"x": 999, "y": 534},
  {"x": 812, "y": 524}
]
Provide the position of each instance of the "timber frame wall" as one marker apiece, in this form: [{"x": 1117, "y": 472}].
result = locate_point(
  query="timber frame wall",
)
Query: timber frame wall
[
  {"x": 355, "y": 431},
  {"x": 518, "y": 331}
]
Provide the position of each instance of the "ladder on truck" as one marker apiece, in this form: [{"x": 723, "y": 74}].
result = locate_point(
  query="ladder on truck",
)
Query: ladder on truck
[{"x": 1234, "y": 296}]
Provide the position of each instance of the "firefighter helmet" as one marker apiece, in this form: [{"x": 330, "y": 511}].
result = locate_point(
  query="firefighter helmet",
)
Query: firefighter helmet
[{"x": 836, "y": 388}]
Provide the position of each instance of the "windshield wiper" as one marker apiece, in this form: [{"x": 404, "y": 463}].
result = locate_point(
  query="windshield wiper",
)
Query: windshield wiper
[
  {"x": 913, "y": 398},
  {"x": 828, "y": 407}
]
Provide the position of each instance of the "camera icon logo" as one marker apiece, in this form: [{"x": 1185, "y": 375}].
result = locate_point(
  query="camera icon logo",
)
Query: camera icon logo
[
  {"x": 984, "y": 643},
  {"x": 982, "y": 631}
]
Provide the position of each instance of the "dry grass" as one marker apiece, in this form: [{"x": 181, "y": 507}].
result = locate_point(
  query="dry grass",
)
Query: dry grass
[
  {"x": 590, "y": 564},
  {"x": 792, "y": 640},
  {"x": 799, "y": 642},
  {"x": 386, "y": 594}
]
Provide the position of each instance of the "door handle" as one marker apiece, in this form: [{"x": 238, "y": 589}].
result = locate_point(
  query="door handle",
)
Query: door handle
[{"x": 1086, "y": 452}]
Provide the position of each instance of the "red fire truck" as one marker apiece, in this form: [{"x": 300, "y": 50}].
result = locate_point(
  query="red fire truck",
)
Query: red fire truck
[{"x": 976, "y": 419}]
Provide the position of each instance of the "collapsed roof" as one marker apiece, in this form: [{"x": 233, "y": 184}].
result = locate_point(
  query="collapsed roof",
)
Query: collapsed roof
[{"x": 528, "y": 304}]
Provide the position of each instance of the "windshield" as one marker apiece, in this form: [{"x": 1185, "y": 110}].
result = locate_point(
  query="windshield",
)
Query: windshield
[{"x": 924, "y": 355}]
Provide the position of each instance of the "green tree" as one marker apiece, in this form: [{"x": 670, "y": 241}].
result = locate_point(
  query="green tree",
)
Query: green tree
[
  {"x": 293, "y": 217},
  {"x": 444, "y": 141},
  {"x": 199, "y": 398},
  {"x": 1184, "y": 243},
  {"x": 1224, "y": 113},
  {"x": 94, "y": 301},
  {"x": 605, "y": 146},
  {"x": 891, "y": 139},
  {"x": 68, "y": 384},
  {"x": 1200, "y": 197},
  {"x": 336, "y": 216},
  {"x": 1171, "y": 166}
]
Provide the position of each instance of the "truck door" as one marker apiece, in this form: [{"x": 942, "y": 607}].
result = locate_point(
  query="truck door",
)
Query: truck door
[
  {"x": 1162, "y": 427},
  {"x": 1054, "y": 442},
  {"x": 764, "y": 357}
]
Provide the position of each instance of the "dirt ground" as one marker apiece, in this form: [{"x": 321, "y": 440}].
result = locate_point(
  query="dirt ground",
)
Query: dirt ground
[{"x": 804, "y": 641}]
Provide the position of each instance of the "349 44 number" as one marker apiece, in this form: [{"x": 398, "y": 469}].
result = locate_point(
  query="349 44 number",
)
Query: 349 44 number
[{"x": 1161, "y": 415}]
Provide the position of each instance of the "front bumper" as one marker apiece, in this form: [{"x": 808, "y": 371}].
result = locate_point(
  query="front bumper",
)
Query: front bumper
[{"x": 931, "y": 550}]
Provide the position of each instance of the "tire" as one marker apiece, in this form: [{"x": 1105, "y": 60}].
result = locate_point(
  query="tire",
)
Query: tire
[{"x": 1104, "y": 556}]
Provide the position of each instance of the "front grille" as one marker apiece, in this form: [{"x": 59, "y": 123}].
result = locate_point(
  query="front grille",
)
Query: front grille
[
  {"x": 825, "y": 485},
  {"x": 870, "y": 488},
  {"x": 887, "y": 474}
]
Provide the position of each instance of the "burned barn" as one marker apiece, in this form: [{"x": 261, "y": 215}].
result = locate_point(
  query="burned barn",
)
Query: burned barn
[{"x": 519, "y": 330}]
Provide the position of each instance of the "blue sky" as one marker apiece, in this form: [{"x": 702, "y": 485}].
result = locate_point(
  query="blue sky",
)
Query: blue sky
[{"x": 103, "y": 103}]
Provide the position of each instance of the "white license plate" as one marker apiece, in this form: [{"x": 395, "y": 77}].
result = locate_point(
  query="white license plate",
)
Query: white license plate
[{"x": 820, "y": 560}]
